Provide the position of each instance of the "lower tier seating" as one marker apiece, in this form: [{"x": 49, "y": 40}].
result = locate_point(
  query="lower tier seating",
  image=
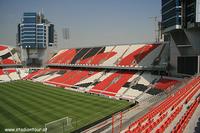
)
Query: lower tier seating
[
  {"x": 163, "y": 84},
  {"x": 8, "y": 74},
  {"x": 173, "y": 113},
  {"x": 118, "y": 84},
  {"x": 8, "y": 56}
]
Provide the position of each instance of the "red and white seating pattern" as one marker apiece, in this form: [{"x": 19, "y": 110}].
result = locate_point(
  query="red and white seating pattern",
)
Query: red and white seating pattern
[
  {"x": 134, "y": 55},
  {"x": 63, "y": 56},
  {"x": 8, "y": 56},
  {"x": 70, "y": 77},
  {"x": 109, "y": 83},
  {"x": 137, "y": 55},
  {"x": 112, "y": 84},
  {"x": 172, "y": 114},
  {"x": 164, "y": 83},
  {"x": 145, "y": 79},
  {"x": 8, "y": 74}
]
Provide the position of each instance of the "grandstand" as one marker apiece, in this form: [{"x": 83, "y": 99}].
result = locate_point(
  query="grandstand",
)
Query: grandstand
[
  {"x": 10, "y": 64},
  {"x": 137, "y": 73},
  {"x": 8, "y": 56},
  {"x": 128, "y": 56},
  {"x": 173, "y": 114},
  {"x": 100, "y": 70}
]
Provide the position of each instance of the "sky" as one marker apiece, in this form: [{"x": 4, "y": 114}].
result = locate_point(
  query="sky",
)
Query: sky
[{"x": 91, "y": 22}]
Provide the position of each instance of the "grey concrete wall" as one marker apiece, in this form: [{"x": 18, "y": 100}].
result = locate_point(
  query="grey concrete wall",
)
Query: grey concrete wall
[
  {"x": 194, "y": 38},
  {"x": 174, "y": 53}
]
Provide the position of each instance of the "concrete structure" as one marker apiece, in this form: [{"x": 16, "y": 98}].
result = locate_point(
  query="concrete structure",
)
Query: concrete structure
[
  {"x": 35, "y": 37},
  {"x": 181, "y": 26}
]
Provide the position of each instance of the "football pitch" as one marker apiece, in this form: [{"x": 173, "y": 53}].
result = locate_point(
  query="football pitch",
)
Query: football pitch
[{"x": 25, "y": 104}]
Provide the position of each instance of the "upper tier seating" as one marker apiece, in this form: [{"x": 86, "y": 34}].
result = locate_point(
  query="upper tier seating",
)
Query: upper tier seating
[
  {"x": 121, "y": 56},
  {"x": 64, "y": 56},
  {"x": 136, "y": 56}
]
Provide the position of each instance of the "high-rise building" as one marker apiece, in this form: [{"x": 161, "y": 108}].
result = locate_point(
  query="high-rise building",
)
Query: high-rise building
[
  {"x": 171, "y": 14},
  {"x": 181, "y": 28},
  {"x": 180, "y": 14},
  {"x": 36, "y": 35}
]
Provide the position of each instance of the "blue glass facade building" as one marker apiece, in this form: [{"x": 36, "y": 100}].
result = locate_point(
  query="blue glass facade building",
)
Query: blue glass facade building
[
  {"x": 171, "y": 14},
  {"x": 179, "y": 14},
  {"x": 190, "y": 12},
  {"x": 35, "y": 38},
  {"x": 28, "y": 30},
  {"x": 34, "y": 31},
  {"x": 181, "y": 28}
]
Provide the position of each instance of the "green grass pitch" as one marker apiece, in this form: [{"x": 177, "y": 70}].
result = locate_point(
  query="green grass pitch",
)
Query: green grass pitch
[{"x": 25, "y": 104}]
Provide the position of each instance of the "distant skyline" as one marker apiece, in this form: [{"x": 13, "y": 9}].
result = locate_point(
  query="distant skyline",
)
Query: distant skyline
[{"x": 91, "y": 22}]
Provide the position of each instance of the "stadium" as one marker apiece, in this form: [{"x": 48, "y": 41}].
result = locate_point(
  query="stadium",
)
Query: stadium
[
  {"x": 127, "y": 88},
  {"x": 97, "y": 84}
]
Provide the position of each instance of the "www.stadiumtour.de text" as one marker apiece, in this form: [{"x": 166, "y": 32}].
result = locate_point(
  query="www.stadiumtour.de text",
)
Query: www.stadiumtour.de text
[{"x": 25, "y": 130}]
